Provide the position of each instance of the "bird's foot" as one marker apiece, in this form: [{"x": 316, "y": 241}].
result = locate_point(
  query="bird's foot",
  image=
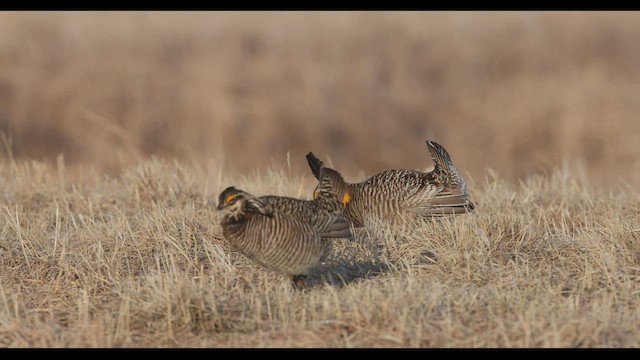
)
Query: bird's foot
[{"x": 298, "y": 282}]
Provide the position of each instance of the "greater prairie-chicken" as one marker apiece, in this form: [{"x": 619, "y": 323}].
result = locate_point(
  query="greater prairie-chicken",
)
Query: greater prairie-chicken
[
  {"x": 286, "y": 235},
  {"x": 394, "y": 196}
]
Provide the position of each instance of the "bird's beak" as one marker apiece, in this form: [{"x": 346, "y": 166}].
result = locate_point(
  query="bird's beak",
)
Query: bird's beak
[{"x": 219, "y": 207}]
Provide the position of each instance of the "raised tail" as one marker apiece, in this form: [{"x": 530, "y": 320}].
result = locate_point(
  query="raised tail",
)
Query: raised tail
[
  {"x": 440, "y": 156},
  {"x": 454, "y": 197},
  {"x": 444, "y": 168},
  {"x": 315, "y": 164}
]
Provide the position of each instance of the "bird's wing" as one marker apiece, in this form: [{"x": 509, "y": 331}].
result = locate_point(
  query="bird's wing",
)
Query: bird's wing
[
  {"x": 435, "y": 200},
  {"x": 337, "y": 227}
]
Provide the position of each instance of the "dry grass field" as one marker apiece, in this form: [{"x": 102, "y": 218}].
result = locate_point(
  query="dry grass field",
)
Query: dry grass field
[
  {"x": 138, "y": 261},
  {"x": 119, "y": 130},
  {"x": 518, "y": 92}
]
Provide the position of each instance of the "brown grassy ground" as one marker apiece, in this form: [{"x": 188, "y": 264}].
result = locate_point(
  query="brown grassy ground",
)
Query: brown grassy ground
[
  {"x": 138, "y": 261},
  {"x": 517, "y": 92}
]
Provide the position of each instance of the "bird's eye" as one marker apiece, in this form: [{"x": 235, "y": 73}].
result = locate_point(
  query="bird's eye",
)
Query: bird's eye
[{"x": 230, "y": 199}]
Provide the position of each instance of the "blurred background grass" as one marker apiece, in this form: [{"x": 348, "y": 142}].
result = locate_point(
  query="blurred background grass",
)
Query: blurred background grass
[{"x": 518, "y": 92}]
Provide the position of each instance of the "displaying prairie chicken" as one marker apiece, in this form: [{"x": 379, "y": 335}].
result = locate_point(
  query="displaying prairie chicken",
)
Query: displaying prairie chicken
[
  {"x": 286, "y": 235},
  {"x": 393, "y": 196}
]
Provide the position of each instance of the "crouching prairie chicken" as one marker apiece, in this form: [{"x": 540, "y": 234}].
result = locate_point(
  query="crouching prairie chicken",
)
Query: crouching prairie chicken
[
  {"x": 394, "y": 196},
  {"x": 286, "y": 235}
]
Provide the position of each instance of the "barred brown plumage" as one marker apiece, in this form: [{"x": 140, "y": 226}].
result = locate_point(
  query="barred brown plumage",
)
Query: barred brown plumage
[
  {"x": 394, "y": 196},
  {"x": 286, "y": 235}
]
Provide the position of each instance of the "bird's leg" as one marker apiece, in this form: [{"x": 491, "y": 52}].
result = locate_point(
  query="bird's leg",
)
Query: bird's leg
[{"x": 298, "y": 282}]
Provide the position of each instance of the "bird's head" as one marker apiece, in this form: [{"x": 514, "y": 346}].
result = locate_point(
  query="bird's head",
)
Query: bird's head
[
  {"x": 231, "y": 200},
  {"x": 237, "y": 204}
]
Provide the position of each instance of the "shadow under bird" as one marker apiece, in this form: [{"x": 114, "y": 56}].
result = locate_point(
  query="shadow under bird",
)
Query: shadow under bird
[
  {"x": 394, "y": 196},
  {"x": 286, "y": 235}
]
